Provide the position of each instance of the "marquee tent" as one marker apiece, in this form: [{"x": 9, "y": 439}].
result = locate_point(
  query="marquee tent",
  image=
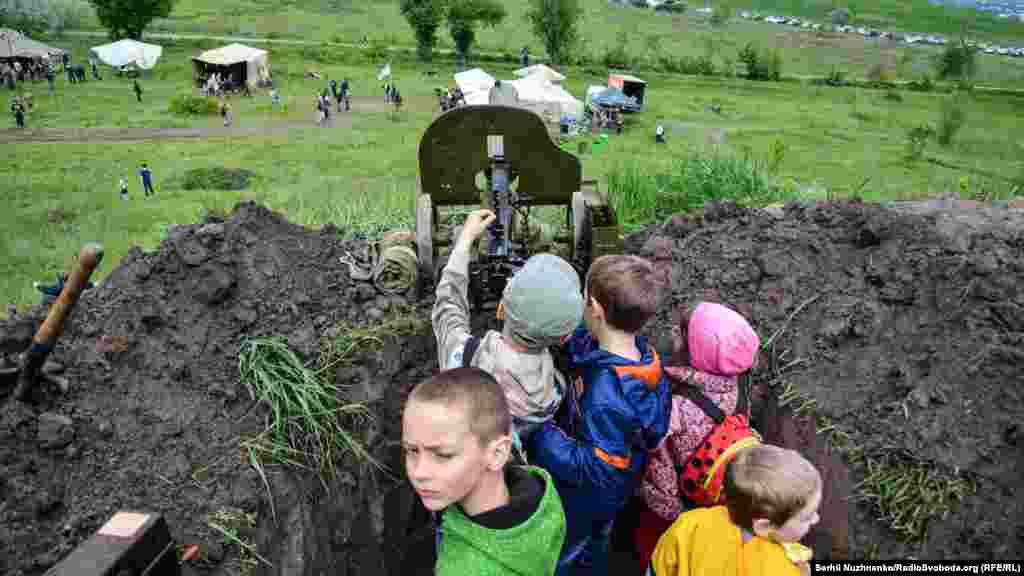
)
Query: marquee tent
[
  {"x": 128, "y": 53},
  {"x": 475, "y": 85},
  {"x": 14, "y": 44},
  {"x": 244, "y": 63},
  {"x": 549, "y": 100},
  {"x": 542, "y": 70}
]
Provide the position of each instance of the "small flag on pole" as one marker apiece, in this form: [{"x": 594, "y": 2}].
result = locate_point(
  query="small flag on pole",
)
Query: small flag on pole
[{"x": 385, "y": 72}]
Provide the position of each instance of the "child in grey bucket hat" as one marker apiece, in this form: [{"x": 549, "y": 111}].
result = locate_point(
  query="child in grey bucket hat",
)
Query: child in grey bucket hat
[{"x": 541, "y": 306}]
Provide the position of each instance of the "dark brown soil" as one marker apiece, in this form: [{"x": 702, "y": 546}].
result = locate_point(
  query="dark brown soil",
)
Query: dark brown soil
[{"x": 920, "y": 309}]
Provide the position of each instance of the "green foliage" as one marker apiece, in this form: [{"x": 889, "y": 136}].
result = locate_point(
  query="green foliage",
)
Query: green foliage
[
  {"x": 958, "y": 61},
  {"x": 672, "y": 7},
  {"x": 192, "y": 105},
  {"x": 128, "y": 18},
  {"x": 618, "y": 56},
  {"x": 721, "y": 13},
  {"x": 925, "y": 84},
  {"x": 917, "y": 140},
  {"x": 696, "y": 65},
  {"x": 776, "y": 154},
  {"x": 840, "y": 16},
  {"x": 424, "y": 16},
  {"x": 28, "y": 19},
  {"x": 951, "y": 118},
  {"x": 835, "y": 78},
  {"x": 893, "y": 95},
  {"x": 465, "y": 15},
  {"x": 556, "y": 24},
  {"x": 217, "y": 178},
  {"x": 700, "y": 176},
  {"x": 761, "y": 64}
]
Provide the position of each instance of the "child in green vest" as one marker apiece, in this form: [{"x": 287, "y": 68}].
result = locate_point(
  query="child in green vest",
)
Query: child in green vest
[{"x": 494, "y": 519}]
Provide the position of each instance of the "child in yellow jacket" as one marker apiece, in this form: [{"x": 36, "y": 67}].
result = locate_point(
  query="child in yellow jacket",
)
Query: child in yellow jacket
[{"x": 772, "y": 498}]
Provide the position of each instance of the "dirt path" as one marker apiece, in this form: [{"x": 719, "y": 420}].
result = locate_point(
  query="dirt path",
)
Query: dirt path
[{"x": 254, "y": 125}]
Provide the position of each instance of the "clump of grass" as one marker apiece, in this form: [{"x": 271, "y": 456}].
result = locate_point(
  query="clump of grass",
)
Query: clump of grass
[
  {"x": 229, "y": 522},
  {"x": 700, "y": 176},
  {"x": 305, "y": 425},
  {"x": 217, "y": 178},
  {"x": 906, "y": 492},
  {"x": 338, "y": 344}
]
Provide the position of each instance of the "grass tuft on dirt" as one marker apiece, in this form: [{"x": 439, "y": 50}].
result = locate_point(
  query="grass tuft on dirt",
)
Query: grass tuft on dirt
[
  {"x": 339, "y": 343},
  {"x": 907, "y": 492},
  {"x": 229, "y": 523},
  {"x": 307, "y": 420}
]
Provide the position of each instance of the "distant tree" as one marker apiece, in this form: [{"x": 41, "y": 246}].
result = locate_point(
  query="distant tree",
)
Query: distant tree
[
  {"x": 128, "y": 18},
  {"x": 465, "y": 15},
  {"x": 555, "y": 22},
  {"x": 840, "y": 16},
  {"x": 425, "y": 17},
  {"x": 721, "y": 13},
  {"x": 958, "y": 61},
  {"x": 30, "y": 20}
]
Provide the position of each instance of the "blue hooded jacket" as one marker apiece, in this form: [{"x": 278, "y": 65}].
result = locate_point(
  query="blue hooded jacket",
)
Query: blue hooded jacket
[{"x": 619, "y": 411}]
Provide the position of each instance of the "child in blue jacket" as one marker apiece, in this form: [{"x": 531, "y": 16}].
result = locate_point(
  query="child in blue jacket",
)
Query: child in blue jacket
[{"x": 619, "y": 411}]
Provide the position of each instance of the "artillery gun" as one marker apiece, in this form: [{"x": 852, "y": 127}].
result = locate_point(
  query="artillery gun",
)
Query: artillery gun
[{"x": 523, "y": 169}]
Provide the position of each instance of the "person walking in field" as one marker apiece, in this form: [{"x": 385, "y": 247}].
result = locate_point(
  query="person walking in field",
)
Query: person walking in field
[
  {"x": 275, "y": 98},
  {"x": 124, "y": 188},
  {"x": 225, "y": 112},
  {"x": 138, "y": 90},
  {"x": 147, "y": 179},
  {"x": 19, "y": 113},
  {"x": 320, "y": 110}
]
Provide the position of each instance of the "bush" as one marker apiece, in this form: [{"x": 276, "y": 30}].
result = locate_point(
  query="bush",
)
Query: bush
[
  {"x": 761, "y": 64},
  {"x": 925, "y": 84},
  {"x": 835, "y": 78},
  {"x": 893, "y": 95},
  {"x": 721, "y": 13},
  {"x": 840, "y": 16},
  {"x": 958, "y": 61},
  {"x": 192, "y": 105},
  {"x": 618, "y": 57},
  {"x": 951, "y": 119},
  {"x": 700, "y": 176},
  {"x": 917, "y": 140},
  {"x": 217, "y": 178}
]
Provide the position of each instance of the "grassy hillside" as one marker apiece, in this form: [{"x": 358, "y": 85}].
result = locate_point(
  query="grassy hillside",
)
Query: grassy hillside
[
  {"x": 645, "y": 31},
  {"x": 361, "y": 173}
]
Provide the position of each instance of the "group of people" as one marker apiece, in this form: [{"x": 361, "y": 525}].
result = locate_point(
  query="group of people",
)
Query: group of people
[
  {"x": 147, "y": 182},
  {"x": 340, "y": 93},
  {"x": 391, "y": 94},
  {"x": 605, "y": 118},
  {"x": 569, "y": 386},
  {"x": 451, "y": 98}
]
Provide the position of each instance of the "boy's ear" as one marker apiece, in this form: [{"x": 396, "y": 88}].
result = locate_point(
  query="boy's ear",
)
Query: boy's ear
[
  {"x": 499, "y": 451},
  {"x": 763, "y": 527}
]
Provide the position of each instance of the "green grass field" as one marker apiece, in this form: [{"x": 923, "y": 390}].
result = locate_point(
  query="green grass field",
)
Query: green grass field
[
  {"x": 806, "y": 53},
  {"x": 361, "y": 174}
]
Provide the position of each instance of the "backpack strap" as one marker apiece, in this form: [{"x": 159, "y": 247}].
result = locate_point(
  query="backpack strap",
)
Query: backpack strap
[
  {"x": 467, "y": 353},
  {"x": 704, "y": 403}
]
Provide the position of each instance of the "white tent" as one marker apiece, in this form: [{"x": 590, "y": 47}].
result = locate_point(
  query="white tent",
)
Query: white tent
[
  {"x": 247, "y": 63},
  {"x": 549, "y": 100},
  {"x": 128, "y": 52},
  {"x": 542, "y": 70},
  {"x": 475, "y": 85}
]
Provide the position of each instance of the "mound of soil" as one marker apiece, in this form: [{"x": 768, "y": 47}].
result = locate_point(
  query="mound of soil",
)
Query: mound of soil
[
  {"x": 908, "y": 327},
  {"x": 904, "y": 324}
]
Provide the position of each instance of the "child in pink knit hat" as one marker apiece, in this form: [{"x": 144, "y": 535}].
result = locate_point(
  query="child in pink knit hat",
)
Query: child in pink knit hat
[{"x": 716, "y": 345}]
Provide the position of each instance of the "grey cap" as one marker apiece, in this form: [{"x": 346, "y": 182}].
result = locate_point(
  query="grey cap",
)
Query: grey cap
[{"x": 542, "y": 301}]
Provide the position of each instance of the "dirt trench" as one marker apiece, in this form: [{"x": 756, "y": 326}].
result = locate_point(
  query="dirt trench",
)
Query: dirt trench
[{"x": 903, "y": 324}]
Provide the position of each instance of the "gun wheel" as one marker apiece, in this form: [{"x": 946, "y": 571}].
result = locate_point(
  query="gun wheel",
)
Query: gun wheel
[
  {"x": 581, "y": 232},
  {"x": 425, "y": 237}
]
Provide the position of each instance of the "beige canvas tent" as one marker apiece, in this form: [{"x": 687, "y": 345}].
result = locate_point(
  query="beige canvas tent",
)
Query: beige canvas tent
[
  {"x": 238, "y": 61},
  {"x": 14, "y": 44}
]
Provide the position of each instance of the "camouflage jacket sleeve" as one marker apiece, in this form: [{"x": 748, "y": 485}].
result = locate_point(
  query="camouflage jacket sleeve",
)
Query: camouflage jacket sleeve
[{"x": 450, "y": 317}]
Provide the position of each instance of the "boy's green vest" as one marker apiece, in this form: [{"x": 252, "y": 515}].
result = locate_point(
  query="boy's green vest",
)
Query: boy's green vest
[{"x": 530, "y": 549}]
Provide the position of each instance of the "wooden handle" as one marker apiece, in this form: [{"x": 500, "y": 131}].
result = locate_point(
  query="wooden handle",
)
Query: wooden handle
[{"x": 88, "y": 259}]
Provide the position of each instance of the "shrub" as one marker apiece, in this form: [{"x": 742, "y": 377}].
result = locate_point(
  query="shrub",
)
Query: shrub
[
  {"x": 840, "y": 16},
  {"x": 835, "y": 78},
  {"x": 192, "y": 105},
  {"x": 893, "y": 95},
  {"x": 761, "y": 64},
  {"x": 618, "y": 57},
  {"x": 957, "y": 61},
  {"x": 700, "y": 176},
  {"x": 917, "y": 140},
  {"x": 951, "y": 119},
  {"x": 721, "y": 13},
  {"x": 776, "y": 154},
  {"x": 217, "y": 178},
  {"x": 925, "y": 84}
]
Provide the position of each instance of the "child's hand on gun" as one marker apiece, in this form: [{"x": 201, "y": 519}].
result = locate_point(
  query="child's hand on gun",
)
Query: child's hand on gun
[{"x": 475, "y": 225}]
